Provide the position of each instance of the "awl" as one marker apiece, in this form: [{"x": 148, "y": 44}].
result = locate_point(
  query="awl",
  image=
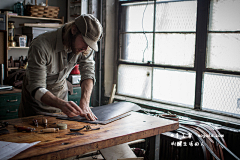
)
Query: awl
[{"x": 23, "y": 128}]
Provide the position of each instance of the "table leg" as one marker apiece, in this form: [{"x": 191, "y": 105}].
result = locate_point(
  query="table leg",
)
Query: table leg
[
  {"x": 154, "y": 147},
  {"x": 157, "y": 147}
]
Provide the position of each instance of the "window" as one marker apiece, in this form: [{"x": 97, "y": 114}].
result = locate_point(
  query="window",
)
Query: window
[{"x": 183, "y": 53}]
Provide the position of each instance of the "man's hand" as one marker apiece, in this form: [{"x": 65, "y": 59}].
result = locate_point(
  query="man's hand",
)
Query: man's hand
[
  {"x": 87, "y": 112},
  {"x": 86, "y": 90},
  {"x": 71, "y": 109}
]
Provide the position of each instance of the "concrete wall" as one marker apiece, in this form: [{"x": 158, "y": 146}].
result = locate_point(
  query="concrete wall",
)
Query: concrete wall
[{"x": 109, "y": 61}]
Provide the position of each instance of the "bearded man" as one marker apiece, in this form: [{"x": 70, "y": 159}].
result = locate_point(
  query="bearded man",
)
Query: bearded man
[{"x": 51, "y": 57}]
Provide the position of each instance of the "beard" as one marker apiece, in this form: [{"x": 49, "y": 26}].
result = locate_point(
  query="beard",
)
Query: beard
[{"x": 73, "y": 39}]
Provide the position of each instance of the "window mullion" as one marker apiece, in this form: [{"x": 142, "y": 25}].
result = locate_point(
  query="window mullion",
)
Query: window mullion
[
  {"x": 153, "y": 49},
  {"x": 201, "y": 47}
]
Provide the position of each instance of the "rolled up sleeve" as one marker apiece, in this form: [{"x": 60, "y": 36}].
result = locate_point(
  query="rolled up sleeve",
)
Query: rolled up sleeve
[
  {"x": 87, "y": 67},
  {"x": 36, "y": 70}
]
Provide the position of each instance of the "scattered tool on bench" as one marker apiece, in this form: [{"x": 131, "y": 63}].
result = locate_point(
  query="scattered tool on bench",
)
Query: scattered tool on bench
[
  {"x": 75, "y": 133},
  {"x": 88, "y": 127},
  {"x": 35, "y": 122},
  {"x": 62, "y": 126},
  {"x": 4, "y": 124},
  {"x": 44, "y": 122},
  {"x": 23, "y": 128},
  {"x": 50, "y": 130},
  {"x": 3, "y": 129}
]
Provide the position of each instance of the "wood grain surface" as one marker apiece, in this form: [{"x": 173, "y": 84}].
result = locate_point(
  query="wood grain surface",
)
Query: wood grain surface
[
  {"x": 59, "y": 145},
  {"x": 15, "y": 90}
]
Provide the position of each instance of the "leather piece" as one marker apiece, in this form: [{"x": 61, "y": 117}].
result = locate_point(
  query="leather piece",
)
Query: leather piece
[
  {"x": 201, "y": 141},
  {"x": 210, "y": 132},
  {"x": 107, "y": 113}
]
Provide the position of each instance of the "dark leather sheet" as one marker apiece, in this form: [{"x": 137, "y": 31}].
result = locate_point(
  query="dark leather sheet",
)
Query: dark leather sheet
[{"x": 107, "y": 113}]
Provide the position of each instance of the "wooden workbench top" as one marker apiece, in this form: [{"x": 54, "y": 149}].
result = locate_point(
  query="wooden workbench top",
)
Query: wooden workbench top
[
  {"x": 15, "y": 90},
  {"x": 59, "y": 145}
]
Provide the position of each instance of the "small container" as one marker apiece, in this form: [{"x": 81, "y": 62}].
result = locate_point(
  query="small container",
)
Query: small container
[{"x": 75, "y": 70}]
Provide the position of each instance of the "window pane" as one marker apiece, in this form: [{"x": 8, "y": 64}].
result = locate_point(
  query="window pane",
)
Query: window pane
[
  {"x": 224, "y": 15},
  {"x": 175, "y": 49},
  {"x": 173, "y": 86},
  {"x": 176, "y": 16},
  {"x": 134, "y": 81},
  {"x": 137, "y": 47},
  {"x": 138, "y": 18},
  {"x": 223, "y": 51},
  {"x": 221, "y": 93}
]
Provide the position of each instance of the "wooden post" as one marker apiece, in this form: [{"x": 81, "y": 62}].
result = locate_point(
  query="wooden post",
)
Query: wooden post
[{"x": 112, "y": 94}]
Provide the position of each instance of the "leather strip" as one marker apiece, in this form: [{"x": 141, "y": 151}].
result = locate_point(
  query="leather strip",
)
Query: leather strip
[
  {"x": 203, "y": 147},
  {"x": 216, "y": 140},
  {"x": 209, "y": 141},
  {"x": 201, "y": 140}
]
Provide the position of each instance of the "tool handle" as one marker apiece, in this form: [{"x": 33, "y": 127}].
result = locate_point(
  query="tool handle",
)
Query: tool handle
[
  {"x": 50, "y": 130},
  {"x": 23, "y": 128}
]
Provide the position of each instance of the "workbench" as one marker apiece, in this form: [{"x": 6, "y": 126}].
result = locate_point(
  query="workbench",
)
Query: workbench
[
  {"x": 59, "y": 145},
  {"x": 10, "y": 101}
]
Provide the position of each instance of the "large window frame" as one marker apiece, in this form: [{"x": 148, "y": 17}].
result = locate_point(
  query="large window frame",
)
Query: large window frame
[{"x": 202, "y": 21}]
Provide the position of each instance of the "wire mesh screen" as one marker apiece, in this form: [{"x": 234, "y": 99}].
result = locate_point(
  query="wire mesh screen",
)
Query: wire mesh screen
[
  {"x": 137, "y": 47},
  {"x": 174, "y": 86},
  {"x": 176, "y": 16},
  {"x": 224, "y": 15},
  {"x": 135, "y": 81},
  {"x": 175, "y": 49},
  {"x": 224, "y": 51},
  {"x": 221, "y": 93},
  {"x": 137, "y": 18}
]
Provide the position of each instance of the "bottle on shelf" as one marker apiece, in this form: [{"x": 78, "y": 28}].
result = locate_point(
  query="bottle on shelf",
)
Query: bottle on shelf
[{"x": 19, "y": 8}]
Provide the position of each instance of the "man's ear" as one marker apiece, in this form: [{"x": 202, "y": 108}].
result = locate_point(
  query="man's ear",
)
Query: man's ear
[{"x": 74, "y": 29}]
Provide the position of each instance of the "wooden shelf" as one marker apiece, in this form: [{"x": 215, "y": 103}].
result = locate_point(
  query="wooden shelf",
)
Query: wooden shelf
[
  {"x": 40, "y": 18},
  {"x": 76, "y": 2},
  {"x": 48, "y": 25},
  {"x": 18, "y": 48},
  {"x": 10, "y": 68}
]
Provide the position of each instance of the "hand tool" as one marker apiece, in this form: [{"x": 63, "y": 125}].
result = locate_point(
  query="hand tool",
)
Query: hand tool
[
  {"x": 50, "y": 130},
  {"x": 4, "y": 124},
  {"x": 4, "y": 131},
  {"x": 23, "y": 128},
  {"x": 35, "y": 122},
  {"x": 75, "y": 133},
  {"x": 44, "y": 121},
  {"x": 88, "y": 127}
]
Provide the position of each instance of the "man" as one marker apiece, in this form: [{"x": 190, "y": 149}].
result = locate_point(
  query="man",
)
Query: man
[{"x": 51, "y": 57}]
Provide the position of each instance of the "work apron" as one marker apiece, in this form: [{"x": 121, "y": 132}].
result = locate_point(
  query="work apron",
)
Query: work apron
[{"x": 29, "y": 106}]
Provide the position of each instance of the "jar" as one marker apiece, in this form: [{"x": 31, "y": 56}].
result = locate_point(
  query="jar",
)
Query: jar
[
  {"x": 11, "y": 34},
  {"x": 10, "y": 30}
]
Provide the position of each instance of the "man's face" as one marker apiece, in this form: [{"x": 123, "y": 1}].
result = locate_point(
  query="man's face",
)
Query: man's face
[{"x": 79, "y": 45}]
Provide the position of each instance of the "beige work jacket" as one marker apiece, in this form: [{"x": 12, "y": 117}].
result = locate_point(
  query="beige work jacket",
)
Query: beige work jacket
[{"x": 48, "y": 67}]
